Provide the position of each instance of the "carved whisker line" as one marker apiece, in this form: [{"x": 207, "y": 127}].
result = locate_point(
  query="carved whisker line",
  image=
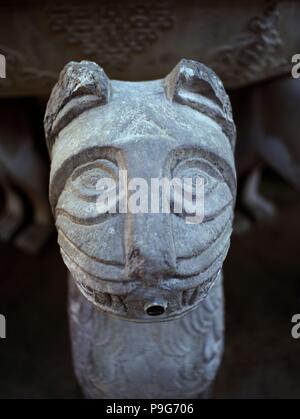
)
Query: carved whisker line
[
  {"x": 76, "y": 249},
  {"x": 219, "y": 212},
  {"x": 224, "y": 235},
  {"x": 89, "y": 278},
  {"x": 88, "y": 221},
  {"x": 191, "y": 296},
  {"x": 219, "y": 258},
  {"x": 214, "y": 264}
]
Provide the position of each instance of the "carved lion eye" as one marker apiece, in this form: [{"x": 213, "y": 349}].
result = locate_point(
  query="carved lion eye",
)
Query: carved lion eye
[
  {"x": 85, "y": 179},
  {"x": 194, "y": 174},
  {"x": 198, "y": 179},
  {"x": 90, "y": 178},
  {"x": 196, "y": 167}
]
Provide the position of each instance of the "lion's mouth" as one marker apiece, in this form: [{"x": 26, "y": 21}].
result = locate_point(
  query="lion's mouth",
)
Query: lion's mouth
[
  {"x": 119, "y": 305},
  {"x": 114, "y": 295}
]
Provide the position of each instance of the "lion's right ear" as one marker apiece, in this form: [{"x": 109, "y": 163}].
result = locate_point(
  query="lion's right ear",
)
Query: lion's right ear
[
  {"x": 193, "y": 84},
  {"x": 81, "y": 86}
]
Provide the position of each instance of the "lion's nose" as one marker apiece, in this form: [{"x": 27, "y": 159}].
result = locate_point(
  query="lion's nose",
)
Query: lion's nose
[{"x": 149, "y": 245}]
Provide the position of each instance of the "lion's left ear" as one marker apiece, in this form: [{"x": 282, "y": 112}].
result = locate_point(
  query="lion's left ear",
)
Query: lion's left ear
[
  {"x": 81, "y": 86},
  {"x": 193, "y": 84}
]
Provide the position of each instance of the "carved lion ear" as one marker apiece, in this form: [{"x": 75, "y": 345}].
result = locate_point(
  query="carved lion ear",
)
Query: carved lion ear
[
  {"x": 193, "y": 84},
  {"x": 81, "y": 86}
]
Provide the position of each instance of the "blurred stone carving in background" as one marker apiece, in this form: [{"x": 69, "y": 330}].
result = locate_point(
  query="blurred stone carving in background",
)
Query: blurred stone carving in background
[
  {"x": 267, "y": 118},
  {"x": 25, "y": 215}
]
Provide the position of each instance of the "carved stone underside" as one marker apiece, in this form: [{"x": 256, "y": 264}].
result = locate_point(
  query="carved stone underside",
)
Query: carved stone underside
[
  {"x": 115, "y": 358},
  {"x": 110, "y": 32},
  {"x": 142, "y": 41}
]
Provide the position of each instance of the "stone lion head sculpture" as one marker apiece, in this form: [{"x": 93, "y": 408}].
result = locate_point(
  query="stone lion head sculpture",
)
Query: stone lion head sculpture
[{"x": 141, "y": 266}]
